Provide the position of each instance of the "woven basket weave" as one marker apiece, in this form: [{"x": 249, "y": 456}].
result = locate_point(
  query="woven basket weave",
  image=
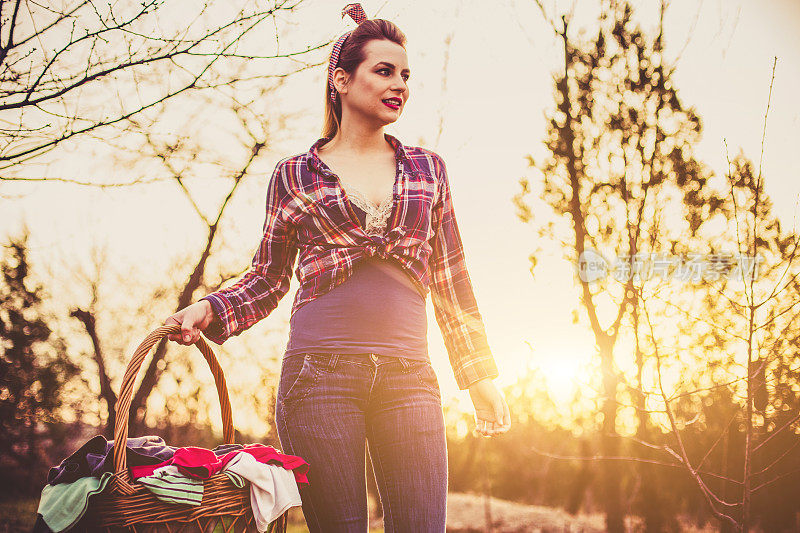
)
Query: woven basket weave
[{"x": 126, "y": 505}]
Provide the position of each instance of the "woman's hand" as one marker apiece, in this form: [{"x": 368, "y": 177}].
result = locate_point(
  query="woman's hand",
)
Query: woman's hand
[
  {"x": 492, "y": 416},
  {"x": 192, "y": 319}
]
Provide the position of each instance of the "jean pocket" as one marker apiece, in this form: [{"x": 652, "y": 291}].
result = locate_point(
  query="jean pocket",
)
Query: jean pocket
[
  {"x": 298, "y": 375},
  {"x": 426, "y": 376}
]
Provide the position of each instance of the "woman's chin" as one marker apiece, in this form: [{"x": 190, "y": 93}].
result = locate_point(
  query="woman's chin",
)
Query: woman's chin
[{"x": 391, "y": 118}]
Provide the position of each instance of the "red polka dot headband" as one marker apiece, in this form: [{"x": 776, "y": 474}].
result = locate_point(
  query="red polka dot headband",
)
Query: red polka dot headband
[{"x": 357, "y": 13}]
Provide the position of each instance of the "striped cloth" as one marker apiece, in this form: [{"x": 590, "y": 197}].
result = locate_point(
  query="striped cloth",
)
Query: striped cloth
[
  {"x": 169, "y": 485},
  {"x": 236, "y": 479},
  {"x": 356, "y": 13}
]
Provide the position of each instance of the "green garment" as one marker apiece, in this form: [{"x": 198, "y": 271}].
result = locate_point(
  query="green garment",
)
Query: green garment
[{"x": 62, "y": 505}]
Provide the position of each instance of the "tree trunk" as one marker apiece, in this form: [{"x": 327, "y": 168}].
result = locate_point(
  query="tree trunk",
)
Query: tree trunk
[{"x": 610, "y": 445}]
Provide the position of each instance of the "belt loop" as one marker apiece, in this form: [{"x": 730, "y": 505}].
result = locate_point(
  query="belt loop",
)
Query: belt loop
[{"x": 405, "y": 363}]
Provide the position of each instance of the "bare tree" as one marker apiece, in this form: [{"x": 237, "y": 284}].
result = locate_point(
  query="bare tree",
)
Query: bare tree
[
  {"x": 114, "y": 74},
  {"x": 729, "y": 421},
  {"x": 621, "y": 171},
  {"x": 753, "y": 308},
  {"x": 190, "y": 147},
  {"x": 71, "y": 68},
  {"x": 256, "y": 128}
]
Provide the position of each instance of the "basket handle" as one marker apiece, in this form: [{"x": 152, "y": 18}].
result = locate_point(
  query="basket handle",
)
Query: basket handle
[{"x": 122, "y": 478}]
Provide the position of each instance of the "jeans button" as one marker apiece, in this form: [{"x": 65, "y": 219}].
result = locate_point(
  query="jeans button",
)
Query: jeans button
[{"x": 374, "y": 357}]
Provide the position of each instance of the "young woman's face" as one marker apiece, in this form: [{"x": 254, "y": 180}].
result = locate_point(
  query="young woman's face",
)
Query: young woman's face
[{"x": 382, "y": 75}]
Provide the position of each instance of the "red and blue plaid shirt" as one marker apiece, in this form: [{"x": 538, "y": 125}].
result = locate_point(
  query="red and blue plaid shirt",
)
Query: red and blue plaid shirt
[{"x": 308, "y": 213}]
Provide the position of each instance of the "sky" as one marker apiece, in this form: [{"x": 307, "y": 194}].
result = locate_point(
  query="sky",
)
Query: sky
[{"x": 490, "y": 89}]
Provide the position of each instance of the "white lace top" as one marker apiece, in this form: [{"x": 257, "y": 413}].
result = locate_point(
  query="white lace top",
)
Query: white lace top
[{"x": 377, "y": 215}]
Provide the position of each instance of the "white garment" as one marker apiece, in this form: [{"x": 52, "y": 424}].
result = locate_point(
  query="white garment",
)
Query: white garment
[
  {"x": 377, "y": 215},
  {"x": 273, "y": 488}
]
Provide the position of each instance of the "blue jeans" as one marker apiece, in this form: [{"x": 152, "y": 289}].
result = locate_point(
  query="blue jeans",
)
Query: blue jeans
[{"x": 330, "y": 406}]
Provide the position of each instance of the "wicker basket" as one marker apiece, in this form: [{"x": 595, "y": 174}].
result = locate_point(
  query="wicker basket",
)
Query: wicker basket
[{"x": 125, "y": 505}]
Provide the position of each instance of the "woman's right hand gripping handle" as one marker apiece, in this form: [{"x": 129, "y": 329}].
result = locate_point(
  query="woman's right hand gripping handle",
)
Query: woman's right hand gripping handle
[{"x": 192, "y": 319}]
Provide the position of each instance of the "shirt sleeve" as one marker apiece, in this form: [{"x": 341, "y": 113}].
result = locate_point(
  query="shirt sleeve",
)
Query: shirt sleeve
[
  {"x": 257, "y": 293},
  {"x": 454, "y": 303}
]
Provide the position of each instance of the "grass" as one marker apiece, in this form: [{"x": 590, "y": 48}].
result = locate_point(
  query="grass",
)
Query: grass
[{"x": 465, "y": 512}]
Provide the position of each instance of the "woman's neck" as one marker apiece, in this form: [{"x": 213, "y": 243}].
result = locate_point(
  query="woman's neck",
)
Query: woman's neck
[{"x": 358, "y": 142}]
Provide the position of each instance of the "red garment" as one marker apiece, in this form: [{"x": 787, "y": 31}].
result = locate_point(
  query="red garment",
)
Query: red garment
[
  {"x": 268, "y": 454},
  {"x": 201, "y": 463}
]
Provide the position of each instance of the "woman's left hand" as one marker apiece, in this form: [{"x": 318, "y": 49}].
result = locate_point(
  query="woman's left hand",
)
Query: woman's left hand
[{"x": 492, "y": 416}]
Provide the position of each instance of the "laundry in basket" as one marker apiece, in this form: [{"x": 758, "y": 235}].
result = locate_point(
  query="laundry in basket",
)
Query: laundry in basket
[{"x": 147, "y": 485}]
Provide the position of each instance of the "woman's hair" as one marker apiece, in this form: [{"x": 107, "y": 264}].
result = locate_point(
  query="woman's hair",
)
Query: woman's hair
[{"x": 350, "y": 57}]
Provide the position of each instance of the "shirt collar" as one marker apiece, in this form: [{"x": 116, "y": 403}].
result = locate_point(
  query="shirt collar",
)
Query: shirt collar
[{"x": 313, "y": 160}]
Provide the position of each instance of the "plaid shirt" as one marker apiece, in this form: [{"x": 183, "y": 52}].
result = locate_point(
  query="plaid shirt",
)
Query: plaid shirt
[{"x": 308, "y": 213}]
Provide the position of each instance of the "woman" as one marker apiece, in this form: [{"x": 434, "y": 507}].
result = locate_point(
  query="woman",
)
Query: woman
[{"x": 373, "y": 224}]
